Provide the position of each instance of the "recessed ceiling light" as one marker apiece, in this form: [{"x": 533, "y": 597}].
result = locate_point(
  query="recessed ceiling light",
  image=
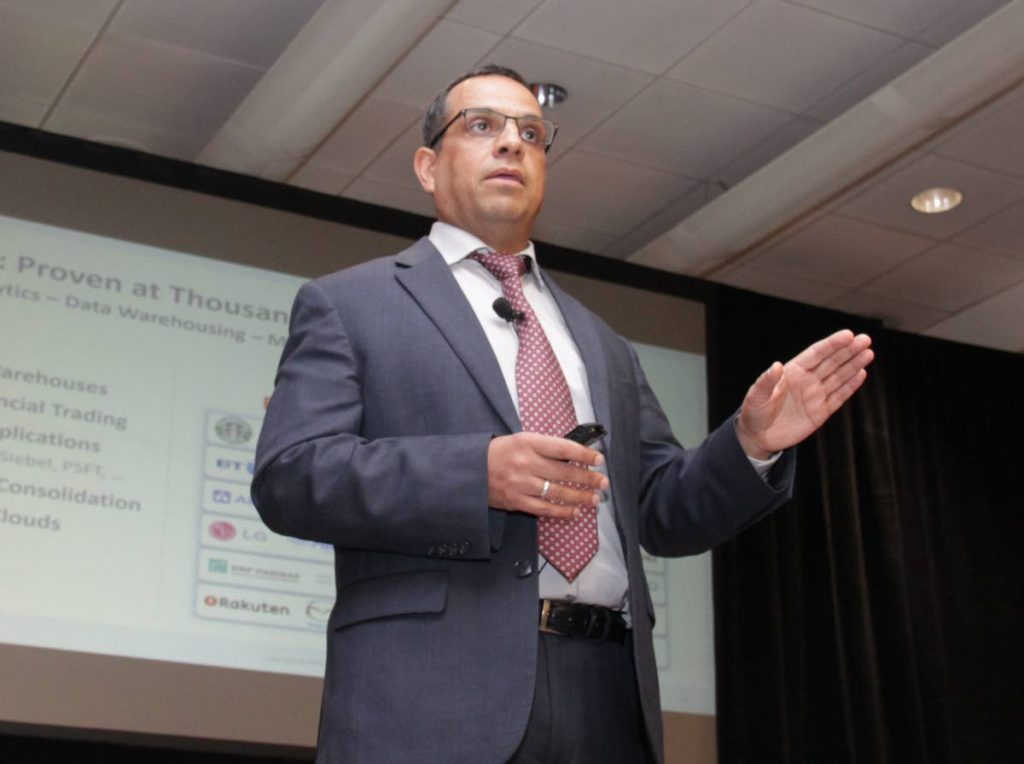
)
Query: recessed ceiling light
[
  {"x": 935, "y": 200},
  {"x": 549, "y": 95}
]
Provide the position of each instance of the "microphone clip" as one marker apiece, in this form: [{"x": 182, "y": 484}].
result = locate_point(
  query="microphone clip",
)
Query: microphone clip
[{"x": 506, "y": 310}]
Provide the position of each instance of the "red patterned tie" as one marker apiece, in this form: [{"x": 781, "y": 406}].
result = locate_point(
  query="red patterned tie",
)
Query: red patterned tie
[{"x": 545, "y": 406}]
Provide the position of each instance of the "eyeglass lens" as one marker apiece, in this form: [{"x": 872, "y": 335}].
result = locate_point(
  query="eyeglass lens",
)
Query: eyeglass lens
[{"x": 487, "y": 123}]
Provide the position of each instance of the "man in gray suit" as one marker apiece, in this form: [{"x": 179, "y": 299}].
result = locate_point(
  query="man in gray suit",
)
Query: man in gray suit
[{"x": 396, "y": 433}]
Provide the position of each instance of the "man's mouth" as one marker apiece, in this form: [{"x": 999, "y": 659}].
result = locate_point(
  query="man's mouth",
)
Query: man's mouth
[{"x": 507, "y": 174}]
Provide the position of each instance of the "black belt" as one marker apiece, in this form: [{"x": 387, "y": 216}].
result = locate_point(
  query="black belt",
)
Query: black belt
[{"x": 574, "y": 619}]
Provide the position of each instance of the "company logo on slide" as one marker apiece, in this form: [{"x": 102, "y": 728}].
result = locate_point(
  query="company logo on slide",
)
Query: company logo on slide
[
  {"x": 231, "y": 429},
  {"x": 235, "y": 465},
  {"x": 244, "y": 605},
  {"x": 216, "y": 565},
  {"x": 222, "y": 530},
  {"x": 227, "y": 497},
  {"x": 318, "y": 610}
]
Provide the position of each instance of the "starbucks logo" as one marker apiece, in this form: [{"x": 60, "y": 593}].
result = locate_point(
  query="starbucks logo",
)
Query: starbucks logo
[{"x": 233, "y": 430}]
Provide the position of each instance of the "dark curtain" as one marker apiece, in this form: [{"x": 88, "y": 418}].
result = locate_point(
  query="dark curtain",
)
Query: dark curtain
[{"x": 877, "y": 617}]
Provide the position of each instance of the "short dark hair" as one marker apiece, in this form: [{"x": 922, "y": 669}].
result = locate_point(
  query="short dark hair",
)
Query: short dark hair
[{"x": 438, "y": 109}]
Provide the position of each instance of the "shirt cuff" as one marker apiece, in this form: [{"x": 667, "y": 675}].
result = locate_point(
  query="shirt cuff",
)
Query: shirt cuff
[{"x": 762, "y": 466}]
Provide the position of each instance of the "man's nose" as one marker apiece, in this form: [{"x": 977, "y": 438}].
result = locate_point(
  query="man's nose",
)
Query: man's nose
[{"x": 509, "y": 139}]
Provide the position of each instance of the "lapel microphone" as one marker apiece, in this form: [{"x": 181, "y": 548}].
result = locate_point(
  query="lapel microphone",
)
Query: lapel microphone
[{"x": 507, "y": 311}]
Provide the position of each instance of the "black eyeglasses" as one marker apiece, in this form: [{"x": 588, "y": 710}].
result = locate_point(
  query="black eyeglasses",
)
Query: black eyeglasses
[{"x": 487, "y": 123}]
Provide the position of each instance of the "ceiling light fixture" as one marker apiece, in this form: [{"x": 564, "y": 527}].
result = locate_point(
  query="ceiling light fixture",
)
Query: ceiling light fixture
[
  {"x": 935, "y": 200},
  {"x": 549, "y": 95}
]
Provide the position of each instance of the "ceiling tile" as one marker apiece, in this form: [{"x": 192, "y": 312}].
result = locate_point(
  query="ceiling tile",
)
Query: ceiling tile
[
  {"x": 1003, "y": 233},
  {"x": 991, "y": 138},
  {"x": 596, "y": 89},
  {"x": 448, "y": 51},
  {"x": 906, "y": 17},
  {"x": 783, "y": 55},
  {"x": 394, "y": 166},
  {"x": 650, "y": 229},
  {"x": 871, "y": 178},
  {"x": 322, "y": 178},
  {"x": 895, "y": 314},
  {"x": 888, "y": 201},
  {"x": 364, "y": 134},
  {"x": 949, "y": 277},
  {"x": 983, "y": 113},
  {"x": 92, "y": 13},
  {"x": 251, "y": 31},
  {"x": 766, "y": 150},
  {"x": 605, "y": 195},
  {"x": 647, "y": 35},
  {"x": 21, "y": 111},
  {"x": 878, "y": 74},
  {"x": 37, "y": 55},
  {"x": 684, "y": 129},
  {"x": 996, "y": 323},
  {"x": 957, "y": 21},
  {"x": 840, "y": 251},
  {"x": 494, "y": 15},
  {"x": 787, "y": 287},
  {"x": 551, "y": 231},
  {"x": 388, "y": 195},
  {"x": 170, "y": 89}
]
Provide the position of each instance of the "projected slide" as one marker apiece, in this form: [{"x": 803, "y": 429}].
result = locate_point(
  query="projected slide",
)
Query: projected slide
[
  {"x": 132, "y": 384},
  {"x": 132, "y": 387}
]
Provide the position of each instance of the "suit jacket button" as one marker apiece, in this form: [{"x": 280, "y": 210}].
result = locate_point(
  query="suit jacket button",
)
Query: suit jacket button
[{"x": 524, "y": 568}]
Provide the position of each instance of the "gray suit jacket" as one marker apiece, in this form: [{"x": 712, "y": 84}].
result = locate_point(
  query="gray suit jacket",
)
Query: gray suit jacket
[{"x": 375, "y": 440}]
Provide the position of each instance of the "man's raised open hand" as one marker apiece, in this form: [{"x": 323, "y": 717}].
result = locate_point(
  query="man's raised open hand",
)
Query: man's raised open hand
[{"x": 787, "y": 403}]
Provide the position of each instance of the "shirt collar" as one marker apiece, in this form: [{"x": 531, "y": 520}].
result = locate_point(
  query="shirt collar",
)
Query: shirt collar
[{"x": 455, "y": 245}]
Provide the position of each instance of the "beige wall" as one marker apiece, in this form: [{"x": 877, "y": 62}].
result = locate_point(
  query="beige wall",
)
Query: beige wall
[{"x": 186, "y": 221}]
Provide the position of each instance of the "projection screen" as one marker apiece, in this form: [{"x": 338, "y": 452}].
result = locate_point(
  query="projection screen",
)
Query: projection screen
[{"x": 133, "y": 379}]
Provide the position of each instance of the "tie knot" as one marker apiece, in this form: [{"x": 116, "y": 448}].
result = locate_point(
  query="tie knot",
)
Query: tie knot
[{"x": 504, "y": 267}]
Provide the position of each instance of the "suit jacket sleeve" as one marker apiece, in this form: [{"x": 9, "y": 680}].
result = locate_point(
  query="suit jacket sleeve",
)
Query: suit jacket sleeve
[
  {"x": 317, "y": 478},
  {"x": 692, "y": 499}
]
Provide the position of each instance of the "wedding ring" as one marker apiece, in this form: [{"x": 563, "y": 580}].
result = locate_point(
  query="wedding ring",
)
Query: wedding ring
[{"x": 545, "y": 489}]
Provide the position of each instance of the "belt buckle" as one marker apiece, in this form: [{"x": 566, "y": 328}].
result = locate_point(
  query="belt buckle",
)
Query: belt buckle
[{"x": 545, "y": 614}]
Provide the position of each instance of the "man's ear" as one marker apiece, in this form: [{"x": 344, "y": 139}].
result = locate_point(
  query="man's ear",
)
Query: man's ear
[{"x": 423, "y": 163}]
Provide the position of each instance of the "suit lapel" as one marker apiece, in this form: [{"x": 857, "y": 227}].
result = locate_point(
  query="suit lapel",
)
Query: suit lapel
[
  {"x": 584, "y": 332},
  {"x": 428, "y": 279},
  {"x": 583, "y": 327}
]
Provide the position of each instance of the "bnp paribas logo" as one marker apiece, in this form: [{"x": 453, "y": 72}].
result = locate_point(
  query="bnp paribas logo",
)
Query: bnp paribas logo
[
  {"x": 216, "y": 565},
  {"x": 234, "y": 430}
]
